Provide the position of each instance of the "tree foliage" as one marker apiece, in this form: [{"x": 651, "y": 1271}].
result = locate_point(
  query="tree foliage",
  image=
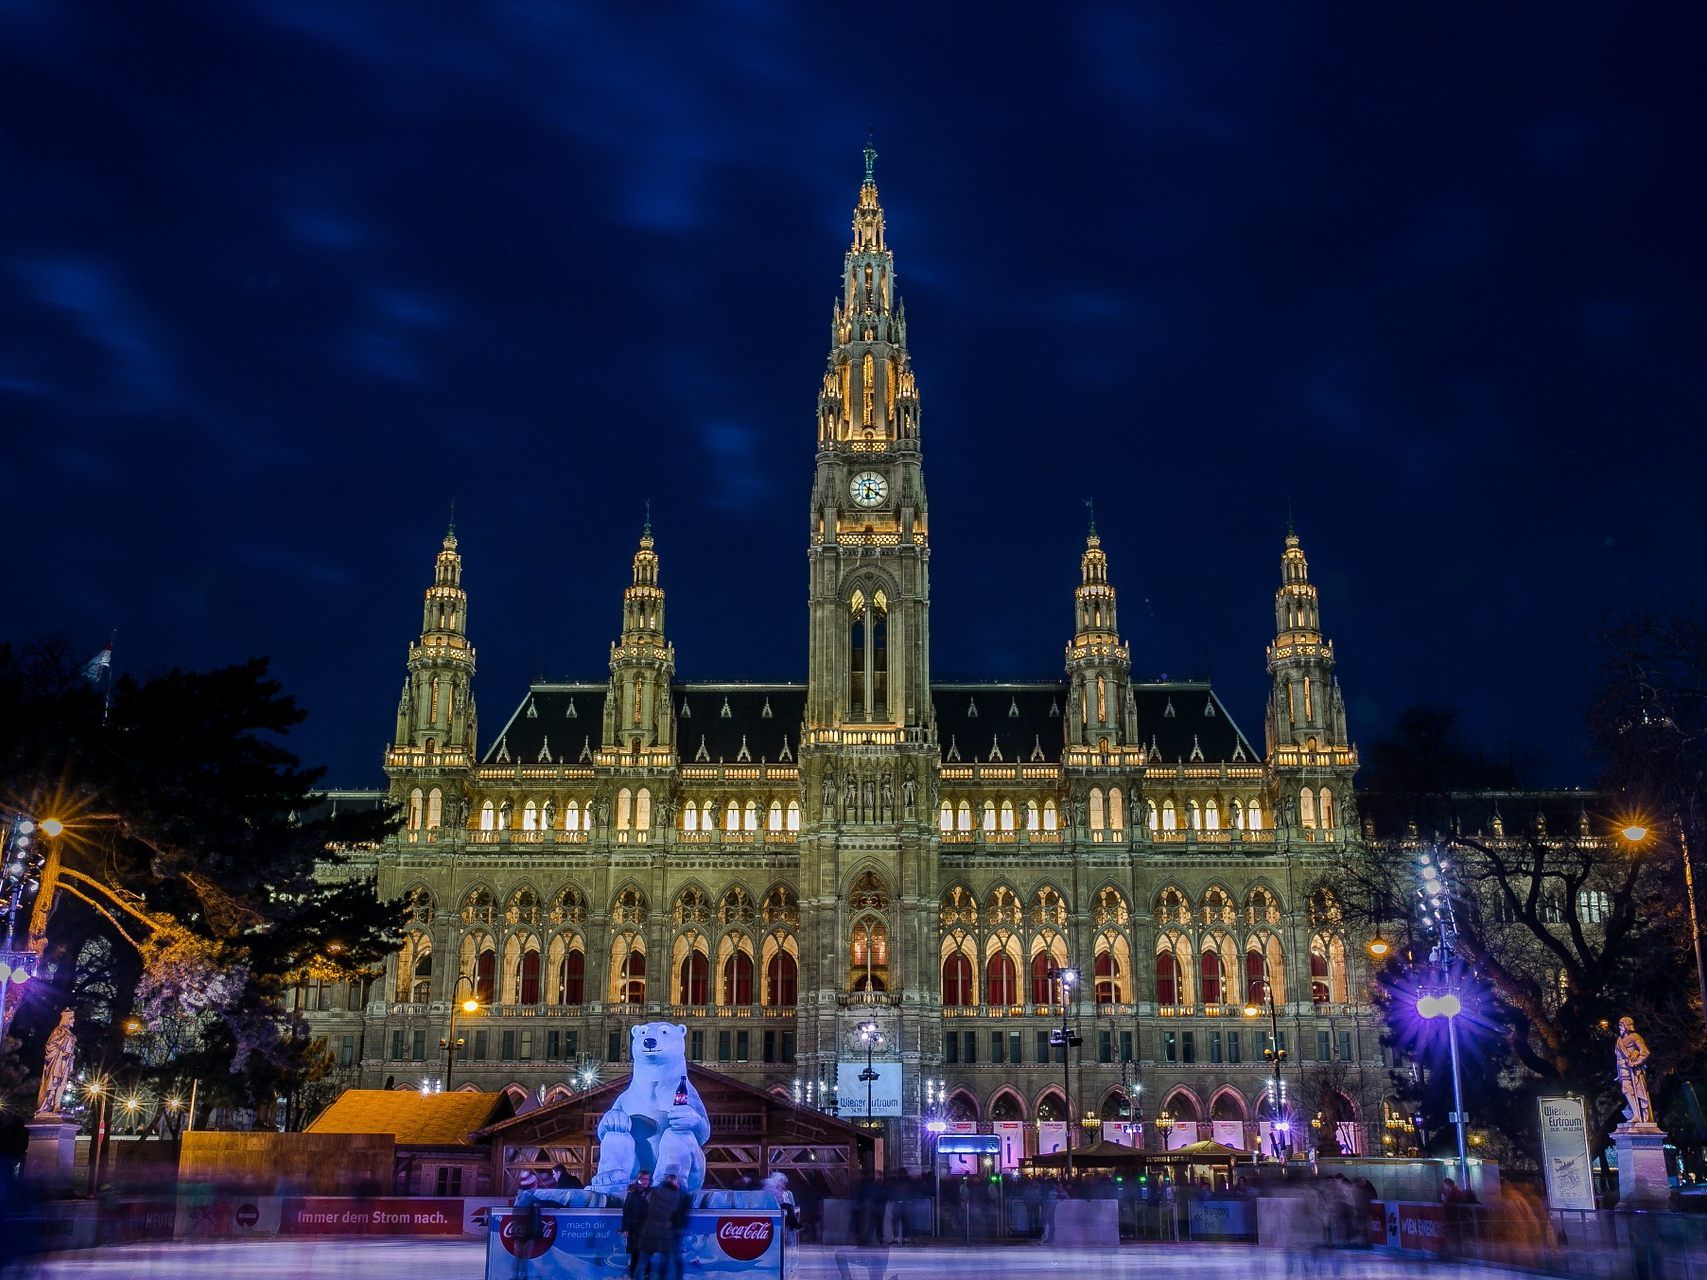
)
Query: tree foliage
[
  {"x": 192, "y": 840},
  {"x": 1563, "y": 925}
]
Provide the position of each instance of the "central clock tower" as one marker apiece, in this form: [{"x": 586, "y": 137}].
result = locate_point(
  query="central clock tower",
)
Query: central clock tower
[
  {"x": 869, "y": 552},
  {"x": 869, "y": 755}
]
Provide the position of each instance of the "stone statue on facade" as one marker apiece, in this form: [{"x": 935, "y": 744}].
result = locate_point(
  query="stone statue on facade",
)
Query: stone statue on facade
[
  {"x": 909, "y": 792},
  {"x": 829, "y": 795},
  {"x": 1631, "y": 1053},
  {"x": 56, "y": 1069},
  {"x": 888, "y": 798}
]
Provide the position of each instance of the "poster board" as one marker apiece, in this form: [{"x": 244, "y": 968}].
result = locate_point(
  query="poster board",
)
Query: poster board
[{"x": 1564, "y": 1154}]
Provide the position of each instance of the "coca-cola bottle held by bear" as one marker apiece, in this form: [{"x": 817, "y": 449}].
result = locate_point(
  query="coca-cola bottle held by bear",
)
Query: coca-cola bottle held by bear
[{"x": 682, "y": 1093}]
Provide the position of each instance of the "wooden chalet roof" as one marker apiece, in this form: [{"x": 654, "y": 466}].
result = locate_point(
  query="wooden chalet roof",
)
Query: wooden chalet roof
[
  {"x": 737, "y": 1110},
  {"x": 413, "y": 1119}
]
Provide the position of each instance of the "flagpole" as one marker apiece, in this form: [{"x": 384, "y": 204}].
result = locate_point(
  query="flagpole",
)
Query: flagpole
[{"x": 107, "y": 698}]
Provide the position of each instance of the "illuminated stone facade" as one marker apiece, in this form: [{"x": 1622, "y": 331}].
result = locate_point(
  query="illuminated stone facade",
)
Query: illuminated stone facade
[{"x": 775, "y": 865}]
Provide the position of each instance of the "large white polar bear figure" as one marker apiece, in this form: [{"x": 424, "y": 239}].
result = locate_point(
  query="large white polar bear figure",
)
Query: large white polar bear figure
[{"x": 645, "y": 1128}]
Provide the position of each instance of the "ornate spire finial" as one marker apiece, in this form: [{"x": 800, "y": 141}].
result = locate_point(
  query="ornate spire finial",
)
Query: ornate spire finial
[
  {"x": 1091, "y": 514},
  {"x": 450, "y": 531},
  {"x": 646, "y": 529},
  {"x": 1291, "y": 532},
  {"x": 871, "y": 156}
]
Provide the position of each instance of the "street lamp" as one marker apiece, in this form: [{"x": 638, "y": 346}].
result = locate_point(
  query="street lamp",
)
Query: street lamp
[
  {"x": 451, "y": 1042},
  {"x": 1636, "y": 832},
  {"x": 1281, "y": 1138},
  {"x": 1436, "y": 896},
  {"x": 99, "y": 1086},
  {"x": 20, "y": 873},
  {"x": 870, "y": 1035},
  {"x": 1065, "y": 1039}
]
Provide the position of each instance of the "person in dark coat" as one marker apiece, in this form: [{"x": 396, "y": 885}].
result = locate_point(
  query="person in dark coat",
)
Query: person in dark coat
[
  {"x": 666, "y": 1214},
  {"x": 561, "y": 1177},
  {"x": 634, "y": 1219}
]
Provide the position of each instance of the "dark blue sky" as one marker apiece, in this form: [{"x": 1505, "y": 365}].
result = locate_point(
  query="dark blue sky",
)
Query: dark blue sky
[{"x": 279, "y": 279}]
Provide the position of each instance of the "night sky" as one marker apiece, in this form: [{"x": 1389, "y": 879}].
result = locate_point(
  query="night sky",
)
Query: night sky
[{"x": 280, "y": 279}]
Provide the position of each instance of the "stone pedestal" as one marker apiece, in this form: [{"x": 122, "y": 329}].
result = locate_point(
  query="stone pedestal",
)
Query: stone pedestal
[
  {"x": 1642, "y": 1180},
  {"x": 50, "y": 1161}
]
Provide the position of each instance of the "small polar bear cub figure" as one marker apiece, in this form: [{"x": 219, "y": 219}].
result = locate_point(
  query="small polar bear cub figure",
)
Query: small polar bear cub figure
[{"x": 645, "y": 1129}]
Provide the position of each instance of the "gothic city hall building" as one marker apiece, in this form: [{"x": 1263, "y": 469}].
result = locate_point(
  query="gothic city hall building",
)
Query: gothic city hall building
[{"x": 940, "y": 876}]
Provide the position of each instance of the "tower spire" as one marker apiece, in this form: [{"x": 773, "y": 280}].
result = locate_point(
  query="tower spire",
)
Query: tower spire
[
  {"x": 1100, "y": 712},
  {"x": 871, "y": 157},
  {"x": 639, "y": 717},
  {"x": 435, "y": 717}
]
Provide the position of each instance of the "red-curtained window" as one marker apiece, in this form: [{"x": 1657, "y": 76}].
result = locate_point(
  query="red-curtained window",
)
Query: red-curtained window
[
  {"x": 1211, "y": 980},
  {"x": 738, "y": 979},
  {"x": 1167, "y": 978},
  {"x": 485, "y": 976},
  {"x": 782, "y": 976},
  {"x": 956, "y": 980},
  {"x": 1042, "y": 985},
  {"x": 572, "y": 977},
  {"x": 1256, "y": 978},
  {"x": 695, "y": 980},
  {"x": 530, "y": 977}
]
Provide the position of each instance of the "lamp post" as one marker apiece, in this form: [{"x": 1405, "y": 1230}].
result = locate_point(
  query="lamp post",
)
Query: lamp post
[
  {"x": 451, "y": 1042},
  {"x": 1281, "y": 1139},
  {"x": 1065, "y": 1039},
  {"x": 1436, "y": 897},
  {"x": 1636, "y": 834},
  {"x": 870, "y": 1035},
  {"x": 100, "y": 1087},
  {"x": 23, "y": 862}
]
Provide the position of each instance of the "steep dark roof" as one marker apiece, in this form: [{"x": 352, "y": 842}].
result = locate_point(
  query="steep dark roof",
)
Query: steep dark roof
[{"x": 1181, "y": 721}]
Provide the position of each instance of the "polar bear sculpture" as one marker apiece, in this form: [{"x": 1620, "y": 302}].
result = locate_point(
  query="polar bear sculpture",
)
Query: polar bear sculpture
[{"x": 645, "y": 1128}]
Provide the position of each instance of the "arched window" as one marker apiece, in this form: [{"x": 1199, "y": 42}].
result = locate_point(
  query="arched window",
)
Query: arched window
[
  {"x": 1318, "y": 972},
  {"x": 956, "y": 980},
  {"x": 1108, "y": 988},
  {"x": 690, "y": 816},
  {"x": 643, "y": 810},
  {"x": 1007, "y": 815},
  {"x": 1153, "y": 814},
  {"x": 1170, "y": 816},
  {"x": 1043, "y": 990},
  {"x": 1191, "y": 807},
  {"x": 794, "y": 815},
  {"x": 945, "y": 816},
  {"x": 1325, "y": 809},
  {"x": 1211, "y": 814},
  {"x": 435, "y": 808},
  {"x": 1116, "y": 809},
  {"x": 572, "y": 816},
  {"x": 738, "y": 979},
  {"x": 773, "y": 816},
  {"x": 1051, "y": 818},
  {"x": 415, "y": 809},
  {"x": 732, "y": 816},
  {"x": 634, "y": 978},
  {"x": 989, "y": 815},
  {"x": 963, "y": 816},
  {"x": 530, "y": 816},
  {"x": 1253, "y": 816},
  {"x": 624, "y": 809},
  {"x": 693, "y": 987},
  {"x": 1001, "y": 983},
  {"x": 1033, "y": 816},
  {"x": 488, "y": 817},
  {"x": 782, "y": 978},
  {"x": 1256, "y": 978},
  {"x": 486, "y": 975},
  {"x": 1097, "y": 816},
  {"x": 1209, "y": 969},
  {"x": 572, "y": 976},
  {"x": 1238, "y": 810},
  {"x": 750, "y": 816},
  {"x": 529, "y": 984},
  {"x": 1167, "y": 978},
  {"x": 1307, "y": 808}
]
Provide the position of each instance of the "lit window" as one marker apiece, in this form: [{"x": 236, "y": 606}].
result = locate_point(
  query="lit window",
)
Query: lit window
[
  {"x": 773, "y": 818},
  {"x": 794, "y": 815}
]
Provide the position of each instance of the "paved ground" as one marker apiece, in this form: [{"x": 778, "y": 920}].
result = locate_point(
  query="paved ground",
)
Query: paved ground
[{"x": 422, "y": 1260}]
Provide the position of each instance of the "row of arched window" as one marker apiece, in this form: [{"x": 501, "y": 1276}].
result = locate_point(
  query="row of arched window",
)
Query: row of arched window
[
  {"x": 1106, "y": 811},
  {"x": 740, "y": 816}
]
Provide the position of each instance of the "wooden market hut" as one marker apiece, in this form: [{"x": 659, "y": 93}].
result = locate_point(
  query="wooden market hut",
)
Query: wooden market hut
[
  {"x": 1101, "y": 1155},
  {"x": 753, "y": 1133},
  {"x": 1214, "y": 1157}
]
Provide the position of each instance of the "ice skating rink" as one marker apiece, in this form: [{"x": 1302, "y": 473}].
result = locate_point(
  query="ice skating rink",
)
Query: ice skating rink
[{"x": 463, "y": 1260}]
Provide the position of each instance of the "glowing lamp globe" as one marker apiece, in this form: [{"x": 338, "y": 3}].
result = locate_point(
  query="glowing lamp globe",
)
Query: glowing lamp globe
[
  {"x": 1450, "y": 1005},
  {"x": 1428, "y": 1006},
  {"x": 1635, "y": 833},
  {"x": 52, "y": 827},
  {"x": 471, "y": 1006}
]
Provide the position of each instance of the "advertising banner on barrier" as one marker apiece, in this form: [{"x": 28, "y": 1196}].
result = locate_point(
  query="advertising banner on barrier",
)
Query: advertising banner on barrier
[
  {"x": 1051, "y": 1136},
  {"x": 851, "y": 1090},
  {"x": 1564, "y": 1154},
  {"x": 585, "y": 1244},
  {"x": 1422, "y": 1227},
  {"x": 1012, "y": 1134},
  {"x": 387, "y": 1216}
]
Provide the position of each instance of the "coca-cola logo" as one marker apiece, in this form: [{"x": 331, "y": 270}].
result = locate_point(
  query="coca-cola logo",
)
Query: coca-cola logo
[
  {"x": 527, "y": 1235},
  {"x": 744, "y": 1239}
]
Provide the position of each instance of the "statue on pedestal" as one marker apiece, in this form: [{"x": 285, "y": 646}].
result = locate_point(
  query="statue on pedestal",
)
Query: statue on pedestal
[
  {"x": 1632, "y": 1054},
  {"x": 58, "y": 1065}
]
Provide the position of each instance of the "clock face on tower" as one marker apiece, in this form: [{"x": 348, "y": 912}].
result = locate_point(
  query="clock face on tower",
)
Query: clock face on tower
[{"x": 869, "y": 489}]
